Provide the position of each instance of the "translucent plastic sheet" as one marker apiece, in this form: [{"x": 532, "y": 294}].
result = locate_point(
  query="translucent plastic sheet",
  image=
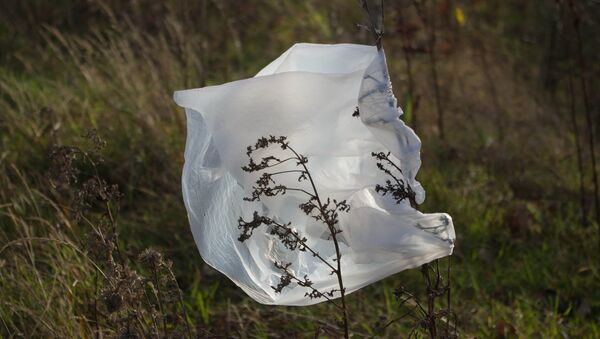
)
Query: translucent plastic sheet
[{"x": 308, "y": 94}]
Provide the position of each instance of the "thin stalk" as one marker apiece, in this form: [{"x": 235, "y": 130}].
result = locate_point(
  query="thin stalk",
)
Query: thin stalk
[
  {"x": 301, "y": 241},
  {"x": 578, "y": 150},
  {"x": 448, "y": 299},
  {"x": 416, "y": 300},
  {"x": 586, "y": 104},
  {"x": 429, "y": 24},
  {"x": 408, "y": 313},
  {"x": 436, "y": 88},
  {"x": 411, "y": 86},
  {"x": 96, "y": 304},
  {"x": 333, "y": 233},
  {"x": 341, "y": 282},
  {"x": 181, "y": 301},
  {"x": 298, "y": 190},
  {"x": 315, "y": 290},
  {"x": 154, "y": 325},
  {"x": 376, "y": 20},
  {"x": 159, "y": 297},
  {"x": 429, "y": 318},
  {"x": 279, "y": 162},
  {"x": 499, "y": 113},
  {"x": 329, "y": 218}
]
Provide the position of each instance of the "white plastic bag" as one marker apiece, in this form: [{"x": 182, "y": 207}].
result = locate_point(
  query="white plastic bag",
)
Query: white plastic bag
[{"x": 308, "y": 94}]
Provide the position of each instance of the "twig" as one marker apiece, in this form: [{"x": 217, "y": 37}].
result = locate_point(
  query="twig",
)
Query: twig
[
  {"x": 376, "y": 21},
  {"x": 333, "y": 232},
  {"x": 267, "y": 186},
  {"x": 407, "y": 53},
  {"x": 430, "y": 26},
  {"x": 586, "y": 104},
  {"x": 448, "y": 296},
  {"x": 578, "y": 152}
]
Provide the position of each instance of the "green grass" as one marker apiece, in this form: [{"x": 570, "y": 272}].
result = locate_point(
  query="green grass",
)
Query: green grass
[{"x": 524, "y": 266}]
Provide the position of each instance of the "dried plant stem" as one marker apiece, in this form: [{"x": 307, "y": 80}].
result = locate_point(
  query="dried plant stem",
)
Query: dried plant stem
[
  {"x": 408, "y": 49},
  {"x": 376, "y": 16},
  {"x": 586, "y": 103},
  {"x": 434, "y": 288},
  {"x": 300, "y": 281},
  {"x": 429, "y": 319},
  {"x": 429, "y": 24},
  {"x": 154, "y": 325},
  {"x": 578, "y": 152},
  {"x": 180, "y": 296},
  {"x": 436, "y": 88},
  {"x": 324, "y": 211},
  {"x": 342, "y": 289},
  {"x": 333, "y": 232},
  {"x": 97, "y": 324},
  {"x": 499, "y": 112},
  {"x": 126, "y": 308},
  {"x": 448, "y": 297},
  {"x": 159, "y": 298},
  {"x": 406, "y": 314},
  {"x": 411, "y": 85},
  {"x": 303, "y": 242}
]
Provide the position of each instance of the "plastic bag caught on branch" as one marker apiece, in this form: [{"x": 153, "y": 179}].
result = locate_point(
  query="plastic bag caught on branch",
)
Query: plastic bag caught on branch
[{"x": 309, "y": 95}]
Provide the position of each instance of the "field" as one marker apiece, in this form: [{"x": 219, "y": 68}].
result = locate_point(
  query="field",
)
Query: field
[{"x": 504, "y": 98}]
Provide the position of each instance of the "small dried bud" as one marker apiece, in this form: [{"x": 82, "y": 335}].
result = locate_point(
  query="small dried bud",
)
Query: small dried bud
[
  {"x": 113, "y": 300},
  {"x": 151, "y": 258}
]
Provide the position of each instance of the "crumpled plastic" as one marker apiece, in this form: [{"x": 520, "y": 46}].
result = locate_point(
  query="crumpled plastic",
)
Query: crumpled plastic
[{"x": 308, "y": 94}]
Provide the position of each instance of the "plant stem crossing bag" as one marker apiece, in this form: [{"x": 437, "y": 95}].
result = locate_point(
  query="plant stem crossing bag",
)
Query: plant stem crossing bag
[{"x": 309, "y": 95}]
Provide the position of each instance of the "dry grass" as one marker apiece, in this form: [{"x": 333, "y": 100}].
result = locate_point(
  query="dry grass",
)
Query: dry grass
[{"x": 524, "y": 266}]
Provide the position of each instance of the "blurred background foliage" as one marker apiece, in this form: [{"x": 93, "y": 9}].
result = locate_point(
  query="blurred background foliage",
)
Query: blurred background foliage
[{"x": 503, "y": 94}]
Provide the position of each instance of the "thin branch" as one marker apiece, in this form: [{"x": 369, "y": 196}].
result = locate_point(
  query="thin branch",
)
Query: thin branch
[
  {"x": 266, "y": 185},
  {"x": 303, "y": 242},
  {"x": 320, "y": 294},
  {"x": 586, "y": 104},
  {"x": 399, "y": 318},
  {"x": 430, "y": 26}
]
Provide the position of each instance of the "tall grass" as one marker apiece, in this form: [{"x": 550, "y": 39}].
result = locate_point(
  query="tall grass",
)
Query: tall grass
[{"x": 522, "y": 266}]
